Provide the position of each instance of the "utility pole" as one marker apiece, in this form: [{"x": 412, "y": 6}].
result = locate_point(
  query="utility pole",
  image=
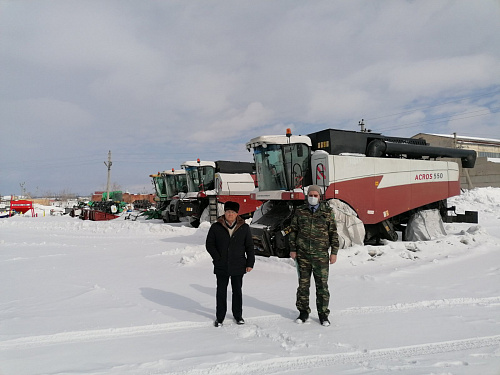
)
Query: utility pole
[
  {"x": 465, "y": 170},
  {"x": 108, "y": 164}
]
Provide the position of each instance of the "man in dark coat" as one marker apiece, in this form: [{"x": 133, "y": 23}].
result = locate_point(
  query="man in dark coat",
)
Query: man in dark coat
[
  {"x": 230, "y": 245},
  {"x": 313, "y": 233}
]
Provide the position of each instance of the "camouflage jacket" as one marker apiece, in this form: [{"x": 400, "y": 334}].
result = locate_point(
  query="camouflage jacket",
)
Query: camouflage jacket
[{"x": 314, "y": 233}]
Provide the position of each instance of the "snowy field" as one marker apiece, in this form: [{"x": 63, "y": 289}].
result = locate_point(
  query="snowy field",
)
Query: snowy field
[{"x": 137, "y": 297}]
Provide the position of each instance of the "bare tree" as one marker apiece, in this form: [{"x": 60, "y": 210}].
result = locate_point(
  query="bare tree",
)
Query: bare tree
[
  {"x": 23, "y": 189},
  {"x": 66, "y": 194}
]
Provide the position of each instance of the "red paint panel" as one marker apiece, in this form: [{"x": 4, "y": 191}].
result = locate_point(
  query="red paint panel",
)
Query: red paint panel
[
  {"x": 250, "y": 205},
  {"x": 22, "y": 206},
  {"x": 359, "y": 194},
  {"x": 374, "y": 205},
  {"x": 289, "y": 196}
]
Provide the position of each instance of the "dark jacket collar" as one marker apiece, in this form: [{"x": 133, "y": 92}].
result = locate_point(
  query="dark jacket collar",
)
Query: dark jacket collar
[{"x": 239, "y": 222}]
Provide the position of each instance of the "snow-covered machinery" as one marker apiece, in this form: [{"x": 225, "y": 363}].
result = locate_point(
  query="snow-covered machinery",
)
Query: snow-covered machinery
[
  {"x": 209, "y": 185},
  {"x": 375, "y": 183}
]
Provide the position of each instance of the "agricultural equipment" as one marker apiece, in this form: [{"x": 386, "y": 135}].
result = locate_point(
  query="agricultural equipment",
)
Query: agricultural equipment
[
  {"x": 210, "y": 184},
  {"x": 168, "y": 184},
  {"x": 105, "y": 209},
  {"x": 383, "y": 180}
]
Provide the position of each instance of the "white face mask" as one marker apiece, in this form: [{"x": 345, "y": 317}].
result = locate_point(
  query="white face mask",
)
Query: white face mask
[{"x": 313, "y": 201}]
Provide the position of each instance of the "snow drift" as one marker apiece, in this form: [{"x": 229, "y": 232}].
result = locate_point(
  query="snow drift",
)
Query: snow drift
[{"x": 137, "y": 297}]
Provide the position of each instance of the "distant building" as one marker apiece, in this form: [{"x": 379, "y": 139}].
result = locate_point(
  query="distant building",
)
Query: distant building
[
  {"x": 125, "y": 197},
  {"x": 486, "y": 172}
]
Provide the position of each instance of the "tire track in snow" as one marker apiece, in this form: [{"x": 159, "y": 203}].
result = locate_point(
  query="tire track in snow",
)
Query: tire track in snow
[
  {"x": 282, "y": 364},
  {"x": 99, "y": 335},
  {"x": 432, "y": 304},
  {"x": 157, "y": 329}
]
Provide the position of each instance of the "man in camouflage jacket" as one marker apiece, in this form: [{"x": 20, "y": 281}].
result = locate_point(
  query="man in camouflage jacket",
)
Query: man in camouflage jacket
[{"x": 312, "y": 233}]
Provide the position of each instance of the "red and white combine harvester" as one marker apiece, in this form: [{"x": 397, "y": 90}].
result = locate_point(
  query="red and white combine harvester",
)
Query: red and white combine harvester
[
  {"x": 209, "y": 185},
  {"x": 377, "y": 180}
]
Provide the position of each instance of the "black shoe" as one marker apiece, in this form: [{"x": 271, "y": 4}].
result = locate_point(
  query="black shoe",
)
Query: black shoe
[
  {"x": 240, "y": 321},
  {"x": 304, "y": 315},
  {"x": 217, "y": 323},
  {"x": 323, "y": 319}
]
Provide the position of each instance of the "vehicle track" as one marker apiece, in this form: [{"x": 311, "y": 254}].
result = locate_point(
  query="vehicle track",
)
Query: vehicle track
[
  {"x": 158, "y": 329},
  {"x": 297, "y": 363}
]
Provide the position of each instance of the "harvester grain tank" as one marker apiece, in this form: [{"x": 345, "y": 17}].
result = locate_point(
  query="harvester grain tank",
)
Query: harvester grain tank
[
  {"x": 382, "y": 180},
  {"x": 209, "y": 185}
]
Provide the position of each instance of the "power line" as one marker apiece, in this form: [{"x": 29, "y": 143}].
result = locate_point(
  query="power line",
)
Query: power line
[
  {"x": 444, "y": 119},
  {"x": 433, "y": 106}
]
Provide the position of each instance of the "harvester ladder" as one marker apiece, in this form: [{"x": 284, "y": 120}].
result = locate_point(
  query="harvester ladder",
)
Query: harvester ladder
[{"x": 212, "y": 208}]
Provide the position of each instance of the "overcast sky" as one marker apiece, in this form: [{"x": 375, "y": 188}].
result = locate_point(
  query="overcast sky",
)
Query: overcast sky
[{"x": 161, "y": 82}]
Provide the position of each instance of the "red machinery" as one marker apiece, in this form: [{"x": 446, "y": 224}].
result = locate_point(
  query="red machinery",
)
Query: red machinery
[
  {"x": 210, "y": 184},
  {"x": 383, "y": 179},
  {"x": 22, "y": 206}
]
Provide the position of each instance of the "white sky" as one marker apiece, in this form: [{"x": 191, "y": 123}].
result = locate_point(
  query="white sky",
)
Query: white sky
[{"x": 161, "y": 82}]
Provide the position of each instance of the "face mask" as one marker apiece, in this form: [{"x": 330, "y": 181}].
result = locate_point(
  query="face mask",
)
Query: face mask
[{"x": 313, "y": 201}]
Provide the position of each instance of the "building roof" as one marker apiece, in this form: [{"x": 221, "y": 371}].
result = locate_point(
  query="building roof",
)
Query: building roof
[{"x": 465, "y": 139}]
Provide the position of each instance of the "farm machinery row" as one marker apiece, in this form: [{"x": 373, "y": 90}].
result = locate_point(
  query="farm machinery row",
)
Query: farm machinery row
[
  {"x": 198, "y": 191},
  {"x": 103, "y": 209},
  {"x": 374, "y": 181}
]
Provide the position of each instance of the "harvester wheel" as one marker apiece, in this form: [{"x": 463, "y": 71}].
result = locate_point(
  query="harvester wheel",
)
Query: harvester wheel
[{"x": 195, "y": 223}]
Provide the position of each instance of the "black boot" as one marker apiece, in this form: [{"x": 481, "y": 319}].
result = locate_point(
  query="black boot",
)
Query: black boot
[
  {"x": 323, "y": 319},
  {"x": 303, "y": 316}
]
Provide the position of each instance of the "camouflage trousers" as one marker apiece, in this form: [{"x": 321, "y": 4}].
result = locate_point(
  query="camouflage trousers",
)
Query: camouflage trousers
[{"x": 319, "y": 267}]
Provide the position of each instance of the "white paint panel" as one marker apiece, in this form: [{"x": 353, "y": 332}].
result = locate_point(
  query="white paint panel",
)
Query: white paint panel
[
  {"x": 278, "y": 139},
  {"x": 234, "y": 183},
  {"x": 194, "y": 163},
  {"x": 268, "y": 195},
  {"x": 395, "y": 172}
]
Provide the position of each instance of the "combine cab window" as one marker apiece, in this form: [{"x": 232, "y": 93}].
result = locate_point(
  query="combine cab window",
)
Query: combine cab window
[
  {"x": 170, "y": 185},
  {"x": 180, "y": 183},
  {"x": 200, "y": 178},
  {"x": 281, "y": 167},
  {"x": 298, "y": 161},
  {"x": 176, "y": 183},
  {"x": 160, "y": 187}
]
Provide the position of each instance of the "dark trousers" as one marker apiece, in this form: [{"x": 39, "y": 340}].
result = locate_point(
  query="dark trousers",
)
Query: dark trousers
[{"x": 237, "y": 297}]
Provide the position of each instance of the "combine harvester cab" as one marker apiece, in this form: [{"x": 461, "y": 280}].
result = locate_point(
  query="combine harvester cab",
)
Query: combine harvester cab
[
  {"x": 175, "y": 184},
  {"x": 158, "y": 182},
  {"x": 209, "y": 185},
  {"x": 167, "y": 184},
  {"x": 369, "y": 179}
]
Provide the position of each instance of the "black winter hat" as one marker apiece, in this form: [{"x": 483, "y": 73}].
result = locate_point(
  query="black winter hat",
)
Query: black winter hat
[{"x": 233, "y": 206}]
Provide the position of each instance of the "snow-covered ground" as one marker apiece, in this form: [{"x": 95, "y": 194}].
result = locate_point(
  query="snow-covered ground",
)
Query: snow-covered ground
[{"x": 137, "y": 297}]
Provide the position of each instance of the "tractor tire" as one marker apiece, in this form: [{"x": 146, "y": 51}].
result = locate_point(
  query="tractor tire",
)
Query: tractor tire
[{"x": 195, "y": 223}]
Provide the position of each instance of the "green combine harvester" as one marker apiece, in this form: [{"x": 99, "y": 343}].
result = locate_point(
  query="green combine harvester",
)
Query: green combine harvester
[{"x": 167, "y": 184}]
